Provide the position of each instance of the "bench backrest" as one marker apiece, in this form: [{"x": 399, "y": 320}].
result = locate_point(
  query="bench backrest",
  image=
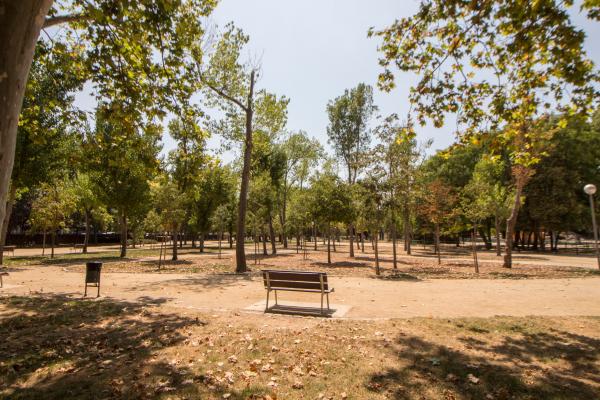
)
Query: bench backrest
[{"x": 295, "y": 280}]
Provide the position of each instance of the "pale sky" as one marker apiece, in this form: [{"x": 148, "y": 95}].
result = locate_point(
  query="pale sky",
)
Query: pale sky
[{"x": 311, "y": 50}]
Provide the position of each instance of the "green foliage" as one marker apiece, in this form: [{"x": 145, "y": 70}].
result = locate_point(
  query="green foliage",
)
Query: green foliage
[
  {"x": 330, "y": 200},
  {"x": 52, "y": 206},
  {"x": 348, "y": 128}
]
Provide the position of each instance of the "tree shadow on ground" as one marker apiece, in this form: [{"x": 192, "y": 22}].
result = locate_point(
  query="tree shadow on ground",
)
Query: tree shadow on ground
[
  {"x": 522, "y": 365},
  {"x": 208, "y": 281},
  {"x": 341, "y": 264},
  {"x": 55, "y": 347}
]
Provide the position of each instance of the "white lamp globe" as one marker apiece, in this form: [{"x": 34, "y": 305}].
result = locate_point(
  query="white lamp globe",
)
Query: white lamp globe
[{"x": 589, "y": 189}]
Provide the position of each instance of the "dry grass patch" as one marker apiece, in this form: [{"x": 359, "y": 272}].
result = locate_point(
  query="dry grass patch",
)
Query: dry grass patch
[{"x": 57, "y": 347}]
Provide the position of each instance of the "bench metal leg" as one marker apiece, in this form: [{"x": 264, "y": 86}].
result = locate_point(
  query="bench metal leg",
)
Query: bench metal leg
[
  {"x": 267, "y": 306},
  {"x": 321, "y": 302},
  {"x": 327, "y": 301},
  {"x": 276, "y": 297},
  {"x": 85, "y": 291}
]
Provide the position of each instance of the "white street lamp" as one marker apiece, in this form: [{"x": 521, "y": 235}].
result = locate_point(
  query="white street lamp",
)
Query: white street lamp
[{"x": 590, "y": 190}]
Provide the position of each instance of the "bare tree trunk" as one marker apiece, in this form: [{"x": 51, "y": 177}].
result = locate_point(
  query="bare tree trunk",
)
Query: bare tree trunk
[
  {"x": 351, "y": 237},
  {"x": 473, "y": 239},
  {"x": 511, "y": 222},
  {"x": 20, "y": 25},
  {"x": 376, "y": 248},
  {"x": 87, "y": 231},
  {"x": 4, "y": 229},
  {"x": 44, "y": 243},
  {"x": 334, "y": 248},
  {"x": 272, "y": 234},
  {"x": 394, "y": 240},
  {"x": 230, "y": 239},
  {"x": 437, "y": 243},
  {"x": 329, "y": 245},
  {"x": 498, "y": 249},
  {"x": 52, "y": 243},
  {"x": 174, "y": 235},
  {"x": 283, "y": 217},
  {"x": 362, "y": 242},
  {"x": 315, "y": 234},
  {"x": 240, "y": 252},
  {"x": 264, "y": 242},
  {"x": 123, "y": 234},
  {"x": 220, "y": 235}
]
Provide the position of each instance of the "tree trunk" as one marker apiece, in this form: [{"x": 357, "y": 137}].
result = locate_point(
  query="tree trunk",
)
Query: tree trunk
[
  {"x": 240, "y": 252},
  {"x": 123, "y": 235},
  {"x": 437, "y": 243},
  {"x": 329, "y": 245},
  {"x": 20, "y": 25},
  {"x": 376, "y": 248},
  {"x": 202, "y": 243},
  {"x": 351, "y": 237},
  {"x": 362, "y": 242},
  {"x": 87, "y": 231},
  {"x": 174, "y": 235},
  {"x": 230, "y": 238},
  {"x": 511, "y": 222},
  {"x": 497, "y": 223},
  {"x": 44, "y": 243},
  {"x": 394, "y": 240},
  {"x": 52, "y": 243},
  {"x": 315, "y": 234},
  {"x": 283, "y": 217},
  {"x": 220, "y": 236},
  {"x": 264, "y": 242},
  {"x": 272, "y": 234},
  {"x": 4, "y": 229},
  {"x": 334, "y": 248},
  {"x": 474, "y": 244}
]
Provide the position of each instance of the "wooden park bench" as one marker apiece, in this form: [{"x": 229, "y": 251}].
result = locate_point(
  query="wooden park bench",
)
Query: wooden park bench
[
  {"x": 296, "y": 281},
  {"x": 78, "y": 247},
  {"x": 10, "y": 249}
]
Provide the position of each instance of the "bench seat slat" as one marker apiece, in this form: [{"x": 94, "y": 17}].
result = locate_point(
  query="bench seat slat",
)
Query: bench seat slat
[
  {"x": 296, "y": 285},
  {"x": 302, "y": 290},
  {"x": 295, "y": 276}
]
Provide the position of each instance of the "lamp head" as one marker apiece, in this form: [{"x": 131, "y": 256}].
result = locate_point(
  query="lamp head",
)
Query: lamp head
[{"x": 589, "y": 189}]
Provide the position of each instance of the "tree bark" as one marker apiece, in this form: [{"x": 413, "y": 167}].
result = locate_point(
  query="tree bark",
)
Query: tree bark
[
  {"x": 174, "y": 235},
  {"x": 123, "y": 235},
  {"x": 6, "y": 221},
  {"x": 497, "y": 223},
  {"x": 20, "y": 25},
  {"x": 202, "y": 243},
  {"x": 351, "y": 238},
  {"x": 272, "y": 234},
  {"x": 315, "y": 234},
  {"x": 264, "y": 243},
  {"x": 511, "y": 222},
  {"x": 87, "y": 231},
  {"x": 394, "y": 241},
  {"x": 474, "y": 244},
  {"x": 376, "y": 248},
  {"x": 240, "y": 251},
  {"x": 437, "y": 243},
  {"x": 52, "y": 243},
  {"x": 44, "y": 243},
  {"x": 329, "y": 245}
]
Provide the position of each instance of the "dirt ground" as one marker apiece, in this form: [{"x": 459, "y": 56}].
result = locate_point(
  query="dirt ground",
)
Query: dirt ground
[
  {"x": 419, "y": 287},
  {"x": 191, "y": 329}
]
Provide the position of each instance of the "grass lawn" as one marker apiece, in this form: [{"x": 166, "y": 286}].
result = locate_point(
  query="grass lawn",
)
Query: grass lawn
[{"x": 58, "y": 347}]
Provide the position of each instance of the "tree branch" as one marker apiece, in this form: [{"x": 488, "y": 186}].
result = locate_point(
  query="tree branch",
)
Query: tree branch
[
  {"x": 64, "y": 19},
  {"x": 223, "y": 94}
]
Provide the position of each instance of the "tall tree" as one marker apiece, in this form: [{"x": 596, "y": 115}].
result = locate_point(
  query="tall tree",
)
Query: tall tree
[
  {"x": 349, "y": 132},
  {"x": 230, "y": 85},
  {"x": 125, "y": 159},
  {"x": 497, "y": 64},
  {"x": 300, "y": 154},
  {"x": 45, "y": 142},
  {"x": 122, "y": 40}
]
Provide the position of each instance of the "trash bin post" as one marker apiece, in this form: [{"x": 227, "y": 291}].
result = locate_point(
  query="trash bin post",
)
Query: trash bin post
[{"x": 92, "y": 276}]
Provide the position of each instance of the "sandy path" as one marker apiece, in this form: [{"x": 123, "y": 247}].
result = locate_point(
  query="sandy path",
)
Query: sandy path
[{"x": 366, "y": 297}]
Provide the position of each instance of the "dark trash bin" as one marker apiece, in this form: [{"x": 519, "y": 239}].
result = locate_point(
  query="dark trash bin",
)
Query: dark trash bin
[{"x": 92, "y": 276}]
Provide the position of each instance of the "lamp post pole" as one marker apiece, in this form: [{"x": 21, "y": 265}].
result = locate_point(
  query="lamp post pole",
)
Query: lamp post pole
[{"x": 590, "y": 190}]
